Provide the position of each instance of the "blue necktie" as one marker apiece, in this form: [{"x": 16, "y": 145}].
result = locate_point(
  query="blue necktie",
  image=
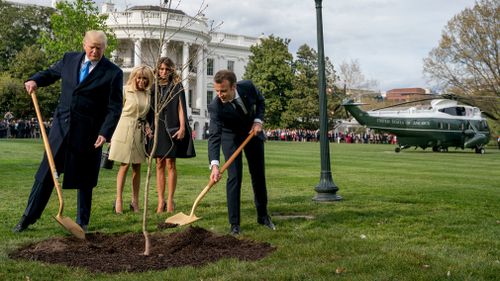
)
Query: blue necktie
[{"x": 85, "y": 71}]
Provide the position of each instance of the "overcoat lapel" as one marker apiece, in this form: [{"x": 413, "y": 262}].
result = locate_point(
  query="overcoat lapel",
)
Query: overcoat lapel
[
  {"x": 98, "y": 71},
  {"x": 77, "y": 61}
]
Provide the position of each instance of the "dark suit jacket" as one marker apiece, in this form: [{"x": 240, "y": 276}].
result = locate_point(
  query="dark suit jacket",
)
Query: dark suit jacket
[
  {"x": 223, "y": 122},
  {"x": 85, "y": 110}
]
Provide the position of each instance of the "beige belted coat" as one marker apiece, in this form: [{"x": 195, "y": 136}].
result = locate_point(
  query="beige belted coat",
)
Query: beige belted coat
[{"x": 127, "y": 143}]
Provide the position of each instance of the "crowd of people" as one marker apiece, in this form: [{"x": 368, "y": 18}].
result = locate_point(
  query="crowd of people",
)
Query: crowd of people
[
  {"x": 21, "y": 128},
  {"x": 29, "y": 128},
  {"x": 301, "y": 135}
]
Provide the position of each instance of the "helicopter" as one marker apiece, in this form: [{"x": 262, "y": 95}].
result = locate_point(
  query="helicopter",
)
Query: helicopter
[{"x": 443, "y": 124}]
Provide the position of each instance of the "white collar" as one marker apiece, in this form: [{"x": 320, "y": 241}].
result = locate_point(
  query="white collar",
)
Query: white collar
[
  {"x": 236, "y": 95},
  {"x": 92, "y": 63}
]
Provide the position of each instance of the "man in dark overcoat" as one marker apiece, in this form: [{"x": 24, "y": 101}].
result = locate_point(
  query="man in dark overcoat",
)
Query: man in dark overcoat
[
  {"x": 85, "y": 118},
  {"x": 237, "y": 110}
]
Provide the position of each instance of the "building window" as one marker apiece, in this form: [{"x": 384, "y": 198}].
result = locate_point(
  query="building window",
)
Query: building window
[
  {"x": 230, "y": 65},
  {"x": 210, "y": 66},
  {"x": 210, "y": 96}
]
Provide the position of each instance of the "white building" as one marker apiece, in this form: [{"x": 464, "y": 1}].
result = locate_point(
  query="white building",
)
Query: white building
[{"x": 146, "y": 32}]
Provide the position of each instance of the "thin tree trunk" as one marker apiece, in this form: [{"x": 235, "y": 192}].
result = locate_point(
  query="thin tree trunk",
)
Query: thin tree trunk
[{"x": 147, "y": 243}]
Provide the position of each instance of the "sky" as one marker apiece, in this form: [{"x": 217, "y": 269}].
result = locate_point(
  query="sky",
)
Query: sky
[{"x": 389, "y": 38}]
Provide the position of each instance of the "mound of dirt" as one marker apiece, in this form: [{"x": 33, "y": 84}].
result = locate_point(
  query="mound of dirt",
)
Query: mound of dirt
[{"x": 110, "y": 253}]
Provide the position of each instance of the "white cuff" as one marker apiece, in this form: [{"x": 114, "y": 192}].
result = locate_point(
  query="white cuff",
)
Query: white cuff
[
  {"x": 257, "y": 120},
  {"x": 214, "y": 162}
]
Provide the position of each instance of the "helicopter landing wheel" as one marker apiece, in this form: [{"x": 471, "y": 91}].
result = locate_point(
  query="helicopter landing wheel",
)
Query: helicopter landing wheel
[
  {"x": 480, "y": 150},
  {"x": 397, "y": 149}
]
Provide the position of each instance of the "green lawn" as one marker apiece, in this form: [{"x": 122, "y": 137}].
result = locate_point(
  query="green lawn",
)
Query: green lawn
[{"x": 416, "y": 215}]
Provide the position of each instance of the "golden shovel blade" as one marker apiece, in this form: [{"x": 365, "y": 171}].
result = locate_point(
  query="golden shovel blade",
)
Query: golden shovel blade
[
  {"x": 71, "y": 226},
  {"x": 181, "y": 219}
]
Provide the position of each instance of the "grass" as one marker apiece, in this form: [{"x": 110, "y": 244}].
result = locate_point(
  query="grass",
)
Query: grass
[{"x": 416, "y": 215}]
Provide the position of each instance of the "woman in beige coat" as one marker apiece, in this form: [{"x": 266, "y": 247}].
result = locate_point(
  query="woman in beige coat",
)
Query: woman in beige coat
[{"x": 127, "y": 143}]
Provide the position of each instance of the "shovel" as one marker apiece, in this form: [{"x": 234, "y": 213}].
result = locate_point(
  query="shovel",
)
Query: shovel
[
  {"x": 66, "y": 222},
  {"x": 183, "y": 219}
]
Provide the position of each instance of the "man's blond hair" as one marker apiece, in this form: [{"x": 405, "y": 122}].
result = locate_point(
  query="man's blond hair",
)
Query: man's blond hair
[{"x": 95, "y": 36}]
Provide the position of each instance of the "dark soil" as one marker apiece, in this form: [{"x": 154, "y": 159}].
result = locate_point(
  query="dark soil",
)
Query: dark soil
[{"x": 101, "y": 252}]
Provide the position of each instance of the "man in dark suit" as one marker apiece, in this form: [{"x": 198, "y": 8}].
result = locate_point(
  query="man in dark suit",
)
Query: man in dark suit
[
  {"x": 85, "y": 118},
  {"x": 237, "y": 110}
]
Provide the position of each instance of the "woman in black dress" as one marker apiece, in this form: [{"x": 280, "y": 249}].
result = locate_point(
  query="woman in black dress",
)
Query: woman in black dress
[{"x": 174, "y": 134}]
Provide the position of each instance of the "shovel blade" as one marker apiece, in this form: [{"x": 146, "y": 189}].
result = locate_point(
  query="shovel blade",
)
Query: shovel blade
[
  {"x": 181, "y": 219},
  {"x": 71, "y": 226}
]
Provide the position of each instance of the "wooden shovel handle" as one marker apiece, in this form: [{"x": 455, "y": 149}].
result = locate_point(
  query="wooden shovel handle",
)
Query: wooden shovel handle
[
  {"x": 224, "y": 167},
  {"x": 48, "y": 151},
  {"x": 237, "y": 152}
]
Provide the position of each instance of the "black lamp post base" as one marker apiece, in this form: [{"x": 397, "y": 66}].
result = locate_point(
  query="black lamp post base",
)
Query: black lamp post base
[
  {"x": 326, "y": 190},
  {"x": 326, "y": 197}
]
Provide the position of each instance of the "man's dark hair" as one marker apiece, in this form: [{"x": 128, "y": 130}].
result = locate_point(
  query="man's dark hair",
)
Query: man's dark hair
[{"x": 225, "y": 74}]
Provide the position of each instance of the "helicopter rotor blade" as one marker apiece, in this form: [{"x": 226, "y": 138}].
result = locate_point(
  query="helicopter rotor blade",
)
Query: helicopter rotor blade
[{"x": 403, "y": 103}]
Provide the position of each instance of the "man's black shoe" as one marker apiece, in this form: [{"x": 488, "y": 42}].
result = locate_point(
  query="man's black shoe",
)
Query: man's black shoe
[
  {"x": 21, "y": 225},
  {"x": 235, "y": 229},
  {"x": 267, "y": 222},
  {"x": 85, "y": 228}
]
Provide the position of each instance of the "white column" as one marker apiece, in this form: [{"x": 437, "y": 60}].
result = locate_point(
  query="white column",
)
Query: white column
[
  {"x": 114, "y": 55},
  {"x": 185, "y": 73},
  {"x": 164, "y": 49},
  {"x": 204, "y": 86},
  {"x": 137, "y": 52},
  {"x": 221, "y": 63},
  {"x": 199, "y": 79},
  {"x": 201, "y": 92}
]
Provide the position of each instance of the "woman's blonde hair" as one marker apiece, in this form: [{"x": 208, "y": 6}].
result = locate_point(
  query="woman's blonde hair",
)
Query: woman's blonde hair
[{"x": 143, "y": 70}]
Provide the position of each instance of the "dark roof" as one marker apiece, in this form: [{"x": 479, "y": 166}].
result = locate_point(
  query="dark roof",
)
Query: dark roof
[{"x": 155, "y": 8}]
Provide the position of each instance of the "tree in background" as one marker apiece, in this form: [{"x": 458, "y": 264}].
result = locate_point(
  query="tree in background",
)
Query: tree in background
[
  {"x": 302, "y": 109},
  {"x": 351, "y": 77},
  {"x": 20, "y": 25},
  {"x": 10, "y": 91},
  {"x": 291, "y": 86},
  {"x": 30, "y": 60},
  {"x": 64, "y": 33},
  {"x": 466, "y": 62},
  {"x": 270, "y": 68},
  {"x": 20, "y": 56},
  {"x": 303, "y": 104},
  {"x": 68, "y": 27}
]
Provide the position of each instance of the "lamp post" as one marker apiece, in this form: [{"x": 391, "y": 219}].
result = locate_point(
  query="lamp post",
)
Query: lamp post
[{"x": 326, "y": 190}]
